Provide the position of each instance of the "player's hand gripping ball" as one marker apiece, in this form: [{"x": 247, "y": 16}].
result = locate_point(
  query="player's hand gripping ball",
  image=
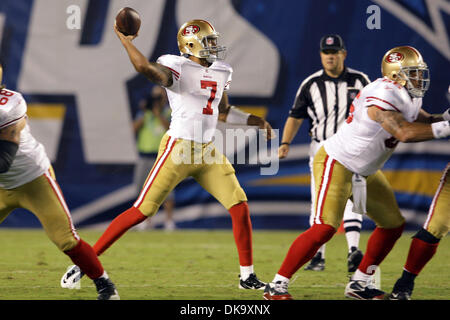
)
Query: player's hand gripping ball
[{"x": 128, "y": 21}]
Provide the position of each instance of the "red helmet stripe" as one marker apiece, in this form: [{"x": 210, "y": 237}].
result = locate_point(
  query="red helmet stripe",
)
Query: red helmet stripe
[
  {"x": 414, "y": 49},
  {"x": 208, "y": 24}
]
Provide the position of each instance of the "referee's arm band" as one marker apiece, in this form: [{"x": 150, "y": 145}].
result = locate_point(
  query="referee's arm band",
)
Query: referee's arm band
[{"x": 296, "y": 115}]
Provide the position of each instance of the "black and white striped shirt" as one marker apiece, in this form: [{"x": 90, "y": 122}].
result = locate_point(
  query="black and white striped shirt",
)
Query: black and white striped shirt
[{"x": 326, "y": 101}]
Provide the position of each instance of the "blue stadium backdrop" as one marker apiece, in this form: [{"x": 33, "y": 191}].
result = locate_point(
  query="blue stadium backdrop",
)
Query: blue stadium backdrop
[{"x": 83, "y": 94}]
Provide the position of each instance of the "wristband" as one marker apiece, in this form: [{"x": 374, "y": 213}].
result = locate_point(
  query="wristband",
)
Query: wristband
[
  {"x": 446, "y": 115},
  {"x": 236, "y": 116},
  {"x": 284, "y": 143},
  {"x": 441, "y": 129}
]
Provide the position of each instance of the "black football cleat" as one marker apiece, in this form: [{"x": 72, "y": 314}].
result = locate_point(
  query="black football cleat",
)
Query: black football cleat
[
  {"x": 363, "y": 291},
  {"x": 252, "y": 283},
  {"x": 400, "y": 295},
  {"x": 354, "y": 259},
  {"x": 316, "y": 263},
  {"x": 106, "y": 289},
  {"x": 402, "y": 290}
]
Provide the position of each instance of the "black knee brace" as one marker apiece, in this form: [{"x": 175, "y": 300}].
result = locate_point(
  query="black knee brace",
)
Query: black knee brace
[{"x": 425, "y": 236}]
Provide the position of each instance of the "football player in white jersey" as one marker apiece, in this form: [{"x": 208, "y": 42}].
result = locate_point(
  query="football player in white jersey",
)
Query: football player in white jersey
[
  {"x": 195, "y": 82},
  {"x": 27, "y": 181},
  {"x": 348, "y": 165},
  {"x": 426, "y": 241}
]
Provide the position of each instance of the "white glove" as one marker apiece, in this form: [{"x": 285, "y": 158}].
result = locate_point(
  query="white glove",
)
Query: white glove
[
  {"x": 446, "y": 115},
  {"x": 441, "y": 129}
]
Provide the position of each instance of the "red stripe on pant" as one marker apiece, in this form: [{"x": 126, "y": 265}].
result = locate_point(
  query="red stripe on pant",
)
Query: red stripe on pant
[
  {"x": 433, "y": 205},
  {"x": 323, "y": 189},
  {"x": 59, "y": 195},
  {"x": 158, "y": 165},
  {"x": 133, "y": 215}
]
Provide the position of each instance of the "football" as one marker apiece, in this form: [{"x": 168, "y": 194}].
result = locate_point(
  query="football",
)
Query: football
[{"x": 128, "y": 21}]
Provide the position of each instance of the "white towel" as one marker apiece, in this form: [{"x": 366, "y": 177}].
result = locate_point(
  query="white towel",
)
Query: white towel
[{"x": 359, "y": 194}]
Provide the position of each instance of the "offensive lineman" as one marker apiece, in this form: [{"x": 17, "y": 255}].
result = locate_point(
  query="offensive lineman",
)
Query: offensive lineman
[
  {"x": 27, "y": 181},
  {"x": 195, "y": 83},
  {"x": 348, "y": 165},
  {"x": 426, "y": 241}
]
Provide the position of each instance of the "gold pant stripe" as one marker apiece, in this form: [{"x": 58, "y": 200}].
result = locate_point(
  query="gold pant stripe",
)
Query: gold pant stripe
[
  {"x": 154, "y": 172},
  {"x": 323, "y": 188},
  {"x": 61, "y": 200}
]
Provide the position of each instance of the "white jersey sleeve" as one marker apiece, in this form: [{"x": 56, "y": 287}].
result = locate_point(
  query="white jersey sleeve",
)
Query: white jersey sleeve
[
  {"x": 31, "y": 160},
  {"x": 388, "y": 95},
  {"x": 12, "y": 107},
  {"x": 174, "y": 64}
]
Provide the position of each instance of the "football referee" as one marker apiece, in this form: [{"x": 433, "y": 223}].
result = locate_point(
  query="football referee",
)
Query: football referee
[{"x": 324, "y": 98}]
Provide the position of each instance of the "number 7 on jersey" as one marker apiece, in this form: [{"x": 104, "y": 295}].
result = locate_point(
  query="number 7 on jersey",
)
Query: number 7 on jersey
[{"x": 205, "y": 85}]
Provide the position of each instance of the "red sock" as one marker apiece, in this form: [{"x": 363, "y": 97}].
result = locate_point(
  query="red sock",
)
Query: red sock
[
  {"x": 117, "y": 228},
  {"x": 84, "y": 256},
  {"x": 379, "y": 245},
  {"x": 305, "y": 247},
  {"x": 420, "y": 252},
  {"x": 242, "y": 231}
]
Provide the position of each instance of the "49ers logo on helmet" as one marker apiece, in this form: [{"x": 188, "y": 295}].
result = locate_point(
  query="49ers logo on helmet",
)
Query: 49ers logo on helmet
[
  {"x": 394, "y": 57},
  {"x": 190, "y": 30}
]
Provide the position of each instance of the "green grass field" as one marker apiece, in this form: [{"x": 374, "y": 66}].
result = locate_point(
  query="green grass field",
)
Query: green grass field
[{"x": 196, "y": 265}]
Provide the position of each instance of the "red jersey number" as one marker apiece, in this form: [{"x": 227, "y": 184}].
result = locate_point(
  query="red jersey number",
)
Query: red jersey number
[
  {"x": 6, "y": 94},
  {"x": 352, "y": 110},
  {"x": 350, "y": 114},
  {"x": 213, "y": 85}
]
